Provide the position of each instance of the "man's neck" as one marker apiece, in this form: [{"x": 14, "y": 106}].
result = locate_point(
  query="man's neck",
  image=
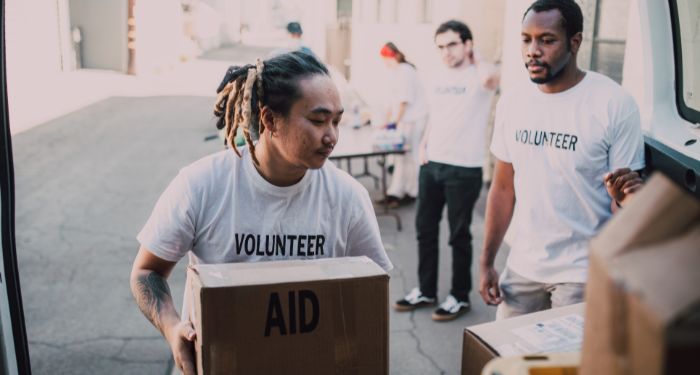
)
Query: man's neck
[
  {"x": 273, "y": 168},
  {"x": 571, "y": 76}
]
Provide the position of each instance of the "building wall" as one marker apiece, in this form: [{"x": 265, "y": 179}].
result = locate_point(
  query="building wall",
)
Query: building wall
[
  {"x": 33, "y": 57},
  {"x": 159, "y": 39},
  {"x": 485, "y": 19},
  {"x": 104, "y": 26},
  {"x": 32, "y": 41}
]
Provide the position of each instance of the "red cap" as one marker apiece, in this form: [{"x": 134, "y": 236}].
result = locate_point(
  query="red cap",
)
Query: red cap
[{"x": 387, "y": 52}]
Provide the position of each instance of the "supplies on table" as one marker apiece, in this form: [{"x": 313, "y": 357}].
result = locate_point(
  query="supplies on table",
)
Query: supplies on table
[{"x": 388, "y": 139}]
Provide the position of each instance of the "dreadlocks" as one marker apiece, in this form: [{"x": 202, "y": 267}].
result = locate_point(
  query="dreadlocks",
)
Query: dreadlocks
[{"x": 245, "y": 90}]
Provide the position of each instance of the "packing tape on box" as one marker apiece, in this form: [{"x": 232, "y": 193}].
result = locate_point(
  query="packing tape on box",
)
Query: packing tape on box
[{"x": 345, "y": 330}]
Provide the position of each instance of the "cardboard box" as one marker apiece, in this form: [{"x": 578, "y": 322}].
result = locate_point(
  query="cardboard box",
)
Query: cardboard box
[
  {"x": 548, "y": 331},
  {"x": 324, "y": 316},
  {"x": 643, "y": 292},
  {"x": 541, "y": 364}
]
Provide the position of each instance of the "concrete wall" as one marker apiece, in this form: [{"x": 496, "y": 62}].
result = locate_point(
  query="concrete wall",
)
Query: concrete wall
[
  {"x": 485, "y": 19},
  {"x": 160, "y": 38},
  {"x": 33, "y": 55},
  {"x": 33, "y": 45},
  {"x": 104, "y": 27}
]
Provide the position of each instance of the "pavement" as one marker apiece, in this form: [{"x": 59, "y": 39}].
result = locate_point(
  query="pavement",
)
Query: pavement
[{"x": 86, "y": 182}]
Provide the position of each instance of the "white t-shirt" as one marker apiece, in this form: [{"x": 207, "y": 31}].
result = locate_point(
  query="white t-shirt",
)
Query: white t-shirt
[
  {"x": 459, "y": 113},
  {"x": 406, "y": 87},
  {"x": 561, "y": 145},
  {"x": 222, "y": 211}
]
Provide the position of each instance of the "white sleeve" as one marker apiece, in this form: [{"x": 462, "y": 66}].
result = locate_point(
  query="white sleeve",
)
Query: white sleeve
[
  {"x": 498, "y": 141},
  {"x": 627, "y": 142},
  {"x": 363, "y": 233},
  {"x": 169, "y": 231}
]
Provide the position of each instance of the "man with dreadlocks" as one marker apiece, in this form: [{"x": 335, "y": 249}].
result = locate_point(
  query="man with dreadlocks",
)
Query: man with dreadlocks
[{"x": 273, "y": 199}]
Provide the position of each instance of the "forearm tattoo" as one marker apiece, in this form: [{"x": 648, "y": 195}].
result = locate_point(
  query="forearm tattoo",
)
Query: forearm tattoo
[{"x": 152, "y": 293}]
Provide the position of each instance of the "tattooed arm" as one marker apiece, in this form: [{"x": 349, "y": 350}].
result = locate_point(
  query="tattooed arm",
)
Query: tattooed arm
[{"x": 150, "y": 289}]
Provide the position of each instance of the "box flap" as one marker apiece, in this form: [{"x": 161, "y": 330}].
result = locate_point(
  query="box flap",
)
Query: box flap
[
  {"x": 659, "y": 210},
  {"x": 553, "y": 330},
  {"x": 475, "y": 354},
  {"x": 286, "y": 271},
  {"x": 665, "y": 276}
]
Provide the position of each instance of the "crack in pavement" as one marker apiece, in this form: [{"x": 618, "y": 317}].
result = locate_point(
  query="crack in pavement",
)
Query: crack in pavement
[
  {"x": 116, "y": 357},
  {"x": 413, "y": 333}
]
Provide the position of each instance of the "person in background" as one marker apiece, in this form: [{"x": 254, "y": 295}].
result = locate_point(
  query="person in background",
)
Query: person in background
[
  {"x": 278, "y": 191},
  {"x": 408, "y": 113},
  {"x": 453, "y": 154},
  {"x": 295, "y": 34},
  {"x": 567, "y": 148}
]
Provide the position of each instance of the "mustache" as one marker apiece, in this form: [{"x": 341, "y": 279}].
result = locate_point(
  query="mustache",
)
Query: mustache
[
  {"x": 530, "y": 63},
  {"x": 326, "y": 149}
]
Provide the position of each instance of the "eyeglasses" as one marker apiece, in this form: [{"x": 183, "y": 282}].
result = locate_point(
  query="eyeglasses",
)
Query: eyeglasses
[{"x": 449, "y": 45}]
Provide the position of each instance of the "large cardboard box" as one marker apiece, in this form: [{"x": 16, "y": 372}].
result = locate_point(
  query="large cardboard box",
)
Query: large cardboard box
[
  {"x": 549, "y": 331},
  {"x": 325, "y": 316},
  {"x": 643, "y": 292}
]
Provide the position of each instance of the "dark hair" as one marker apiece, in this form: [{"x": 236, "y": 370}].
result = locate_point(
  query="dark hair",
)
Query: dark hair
[
  {"x": 273, "y": 83},
  {"x": 294, "y": 28},
  {"x": 400, "y": 57},
  {"x": 457, "y": 26},
  {"x": 571, "y": 16}
]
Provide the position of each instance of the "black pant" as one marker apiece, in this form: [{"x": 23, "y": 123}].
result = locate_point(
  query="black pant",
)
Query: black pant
[{"x": 459, "y": 187}]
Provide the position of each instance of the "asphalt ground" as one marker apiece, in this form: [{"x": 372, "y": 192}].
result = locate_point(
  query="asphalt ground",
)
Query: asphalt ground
[{"x": 86, "y": 183}]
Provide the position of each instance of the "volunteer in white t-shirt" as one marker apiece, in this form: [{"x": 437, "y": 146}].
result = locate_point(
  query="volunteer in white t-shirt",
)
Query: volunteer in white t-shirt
[
  {"x": 408, "y": 114},
  {"x": 276, "y": 199},
  {"x": 555, "y": 143},
  {"x": 452, "y": 154}
]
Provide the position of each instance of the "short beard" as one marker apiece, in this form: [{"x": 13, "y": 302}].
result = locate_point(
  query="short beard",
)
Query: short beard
[{"x": 550, "y": 77}]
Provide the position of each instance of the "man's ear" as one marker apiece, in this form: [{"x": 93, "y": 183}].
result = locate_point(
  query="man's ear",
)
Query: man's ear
[
  {"x": 269, "y": 119},
  {"x": 469, "y": 51},
  {"x": 469, "y": 46},
  {"x": 575, "y": 42}
]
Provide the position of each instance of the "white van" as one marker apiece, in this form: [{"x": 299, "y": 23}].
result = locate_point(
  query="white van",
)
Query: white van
[{"x": 661, "y": 70}]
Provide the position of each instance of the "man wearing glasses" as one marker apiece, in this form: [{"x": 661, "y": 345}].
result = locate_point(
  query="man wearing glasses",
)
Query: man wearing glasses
[{"x": 452, "y": 154}]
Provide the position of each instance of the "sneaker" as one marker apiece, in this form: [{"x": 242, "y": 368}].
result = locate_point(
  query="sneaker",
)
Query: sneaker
[
  {"x": 450, "y": 309},
  {"x": 413, "y": 300}
]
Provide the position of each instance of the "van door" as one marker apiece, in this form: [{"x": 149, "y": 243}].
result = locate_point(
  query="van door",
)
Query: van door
[
  {"x": 14, "y": 352},
  {"x": 661, "y": 72}
]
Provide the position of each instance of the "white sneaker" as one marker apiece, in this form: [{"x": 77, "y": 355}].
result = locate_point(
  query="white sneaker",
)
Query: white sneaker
[
  {"x": 413, "y": 300},
  {"x": 450, "y": 309}
]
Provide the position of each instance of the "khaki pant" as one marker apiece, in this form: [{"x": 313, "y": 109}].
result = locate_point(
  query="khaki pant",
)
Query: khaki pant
[{"x": 524, "y": 296}]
